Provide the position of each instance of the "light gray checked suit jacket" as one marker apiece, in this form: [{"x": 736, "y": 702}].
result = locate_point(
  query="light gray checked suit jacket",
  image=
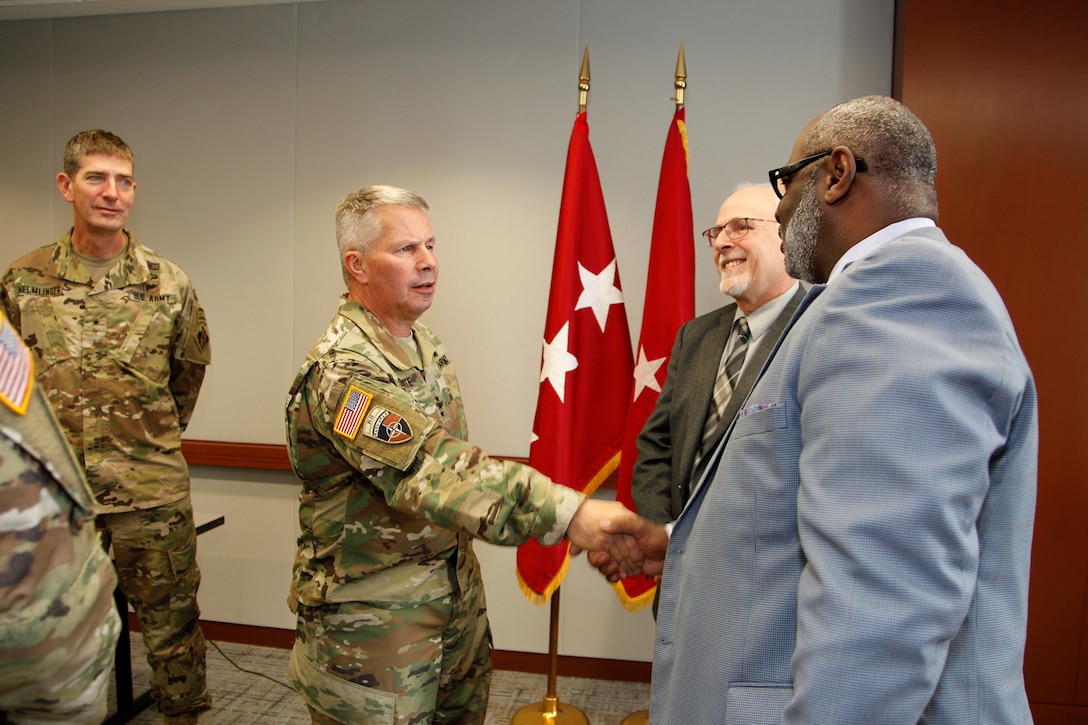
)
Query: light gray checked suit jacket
[
  {"x": 663, "y": 475},
  {"x": 858, "y": 549}
]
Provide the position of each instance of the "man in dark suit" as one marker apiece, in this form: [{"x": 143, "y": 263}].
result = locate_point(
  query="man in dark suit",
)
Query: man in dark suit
[{"x": 687, "y": 422}]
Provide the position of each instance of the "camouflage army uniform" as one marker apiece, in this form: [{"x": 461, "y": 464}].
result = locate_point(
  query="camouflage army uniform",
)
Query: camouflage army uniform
[
  {"x": 58, "y": 622},
  {"x": 392, "y": 624},
  {"x": 121, "y": 362}
]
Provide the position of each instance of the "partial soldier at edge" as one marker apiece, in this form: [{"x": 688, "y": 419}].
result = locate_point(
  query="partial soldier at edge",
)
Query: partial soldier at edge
[{"x": 58, "y": 622}]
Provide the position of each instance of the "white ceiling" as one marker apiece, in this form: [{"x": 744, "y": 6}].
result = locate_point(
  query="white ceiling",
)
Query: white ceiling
[{"x": 22, "y": 9}]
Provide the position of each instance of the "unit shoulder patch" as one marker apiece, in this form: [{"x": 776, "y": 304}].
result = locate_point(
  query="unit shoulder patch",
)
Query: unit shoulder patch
[
  {"x": 381, "y": 424},
  {"x": 385, "y": 425}
]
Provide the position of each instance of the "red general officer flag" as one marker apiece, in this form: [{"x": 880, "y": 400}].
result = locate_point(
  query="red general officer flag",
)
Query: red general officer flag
[
  {"x": 670, "y": 302},
  {"x": 585, "y": 375}
]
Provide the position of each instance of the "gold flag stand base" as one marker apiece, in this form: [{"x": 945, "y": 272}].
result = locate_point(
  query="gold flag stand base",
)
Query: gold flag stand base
[
  {"x": 642, "y": 717},
  {"x": 550, "y": 711}
]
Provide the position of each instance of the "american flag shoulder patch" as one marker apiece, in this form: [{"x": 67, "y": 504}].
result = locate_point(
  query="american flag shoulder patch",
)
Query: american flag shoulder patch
[
  {"x": 16, "y": 369},
  {"x": 351, "y": 412}
]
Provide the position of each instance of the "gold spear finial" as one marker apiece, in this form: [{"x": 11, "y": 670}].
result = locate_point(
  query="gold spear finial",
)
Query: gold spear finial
[
  {"x": 681, "y": 78},
  {"x": 583, "y": 83}
]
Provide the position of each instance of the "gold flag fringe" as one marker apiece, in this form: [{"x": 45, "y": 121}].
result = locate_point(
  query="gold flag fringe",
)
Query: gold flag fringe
[
  {"x": 540, "y": 599},
  {"x": 633, "y": 604},
  {"x": 602, "y": 475}
]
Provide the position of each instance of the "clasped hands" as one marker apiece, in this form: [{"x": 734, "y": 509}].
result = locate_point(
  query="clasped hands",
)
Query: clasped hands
[{"x": 620, "y": 542}]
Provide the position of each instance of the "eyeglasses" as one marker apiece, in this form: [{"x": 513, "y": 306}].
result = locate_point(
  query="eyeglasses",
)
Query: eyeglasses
[
  {"x": 734, "y": 229},
  {"x": 782, "y": 176}
]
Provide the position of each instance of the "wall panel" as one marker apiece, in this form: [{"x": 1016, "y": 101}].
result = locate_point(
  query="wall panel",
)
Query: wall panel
[
  {"x": 250, "y": 123},
  {"x": 1002, "y": 87}
]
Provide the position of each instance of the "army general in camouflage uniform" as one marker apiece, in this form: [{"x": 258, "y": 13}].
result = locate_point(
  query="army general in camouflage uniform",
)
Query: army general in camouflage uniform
[
  {"x": 58, "y": 622},
  {"x": 392, "y": 624},
  {"x": 120, "y": 346}
]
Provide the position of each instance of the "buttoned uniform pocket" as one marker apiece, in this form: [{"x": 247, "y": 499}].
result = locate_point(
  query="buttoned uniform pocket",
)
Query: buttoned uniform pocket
[
  {"x": 147, "y": 348},
  {"x": 51, "y": 337}
]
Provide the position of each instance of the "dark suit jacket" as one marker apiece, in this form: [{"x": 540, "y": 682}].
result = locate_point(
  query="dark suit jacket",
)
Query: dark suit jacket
[{"x": 665, "y": 470}]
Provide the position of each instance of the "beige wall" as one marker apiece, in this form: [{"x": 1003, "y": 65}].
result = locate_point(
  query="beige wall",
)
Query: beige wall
[{"x": 250, "y": 123}]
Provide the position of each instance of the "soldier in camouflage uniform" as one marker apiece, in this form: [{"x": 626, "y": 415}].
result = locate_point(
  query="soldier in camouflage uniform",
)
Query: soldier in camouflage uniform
[
  {"x": 391, "y": 618},
  {"x": 58, "y": 622},
  {"x": 120, "y": 346}
]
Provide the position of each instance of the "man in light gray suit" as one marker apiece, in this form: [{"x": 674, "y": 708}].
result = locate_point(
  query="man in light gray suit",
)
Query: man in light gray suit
[
  {"x": 858, "y": 549},
  {"x": 751, "y": 267}
]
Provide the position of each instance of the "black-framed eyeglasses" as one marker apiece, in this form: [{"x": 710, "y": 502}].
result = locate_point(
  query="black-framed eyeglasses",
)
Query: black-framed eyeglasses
[
  {"x": 734, "y": 229},
  {"x": 781, "y": 176}
]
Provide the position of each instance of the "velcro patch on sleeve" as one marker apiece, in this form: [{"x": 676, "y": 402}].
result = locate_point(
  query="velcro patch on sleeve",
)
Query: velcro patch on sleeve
[
  {"x": 352, "y": 409},
  {"x": 385, "y": 425},
  {"x": 382, "y": 424},
  {"x": 16, "y": 369}
]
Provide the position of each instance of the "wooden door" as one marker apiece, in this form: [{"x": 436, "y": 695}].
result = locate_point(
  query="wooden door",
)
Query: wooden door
[{"x": 1003, "y": 87}]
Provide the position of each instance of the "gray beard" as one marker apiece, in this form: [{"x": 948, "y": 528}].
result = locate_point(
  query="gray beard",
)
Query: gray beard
[
  {"x": 802, "y": 234},
  {"x": 734, "y": 287}
]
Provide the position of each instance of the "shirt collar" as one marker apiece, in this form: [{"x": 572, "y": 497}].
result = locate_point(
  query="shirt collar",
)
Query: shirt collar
[
  {"x": 874, "y": 241},
  {"x": 761, "y": 320},
  {"x": 373, "y": 328}
]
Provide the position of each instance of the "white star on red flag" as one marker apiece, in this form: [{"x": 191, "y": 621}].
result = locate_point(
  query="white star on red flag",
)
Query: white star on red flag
[
  {"x": 646, "y": 373},
  {"x": 599, "y": 291},
  {"x": 558, "y": 361}
]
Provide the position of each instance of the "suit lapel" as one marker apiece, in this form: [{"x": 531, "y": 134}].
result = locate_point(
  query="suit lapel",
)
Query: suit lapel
[
  {"x": 803, "y": 305},
  {"x": 800, "y": 304},
  {"x": 698, "y": 391},
  {"x": 754, "y": 366},
  {"x": 709, "y": 360}
]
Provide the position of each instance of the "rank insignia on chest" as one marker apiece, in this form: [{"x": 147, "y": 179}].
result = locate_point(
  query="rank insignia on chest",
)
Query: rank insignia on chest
[
  {"x": 385, "y": 425},
  {"x": 351, "y": 412}
]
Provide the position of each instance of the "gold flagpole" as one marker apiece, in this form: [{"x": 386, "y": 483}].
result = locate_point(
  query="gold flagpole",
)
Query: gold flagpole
[
  {"x": 681, "y": 78},
  {"x": 583, "y": 83},
  {"x": 550, "y": 711},
  {"x": 642, "y": 717}
]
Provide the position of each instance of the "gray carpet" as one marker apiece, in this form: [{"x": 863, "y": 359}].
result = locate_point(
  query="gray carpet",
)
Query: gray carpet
[{"x": 242, "y": 698}]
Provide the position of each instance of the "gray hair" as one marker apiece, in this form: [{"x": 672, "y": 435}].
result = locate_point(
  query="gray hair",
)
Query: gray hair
[
  {"x": 357, "y": 228},
  {"x": 894, "y": 142},
  {"x": 754, "y": 184}
]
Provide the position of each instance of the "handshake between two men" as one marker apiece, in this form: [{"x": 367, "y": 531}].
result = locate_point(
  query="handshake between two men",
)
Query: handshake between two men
[{"x": 620, "y": 542}]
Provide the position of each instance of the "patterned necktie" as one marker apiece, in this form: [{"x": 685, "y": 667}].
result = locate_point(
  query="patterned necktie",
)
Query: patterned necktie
[{"x": 728, "y": 373}]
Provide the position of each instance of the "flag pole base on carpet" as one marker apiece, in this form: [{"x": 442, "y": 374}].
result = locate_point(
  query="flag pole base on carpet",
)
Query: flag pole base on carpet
[
  {"x": 642, "y": 717},
  {"x": 550, "y": 710}
]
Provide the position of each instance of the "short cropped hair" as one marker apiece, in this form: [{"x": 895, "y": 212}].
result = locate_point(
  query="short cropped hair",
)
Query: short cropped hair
[
  {"x": 357, "y": 228},
  {"x": 95, "y": 141},
  {"x": 895, "y": 144}
]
